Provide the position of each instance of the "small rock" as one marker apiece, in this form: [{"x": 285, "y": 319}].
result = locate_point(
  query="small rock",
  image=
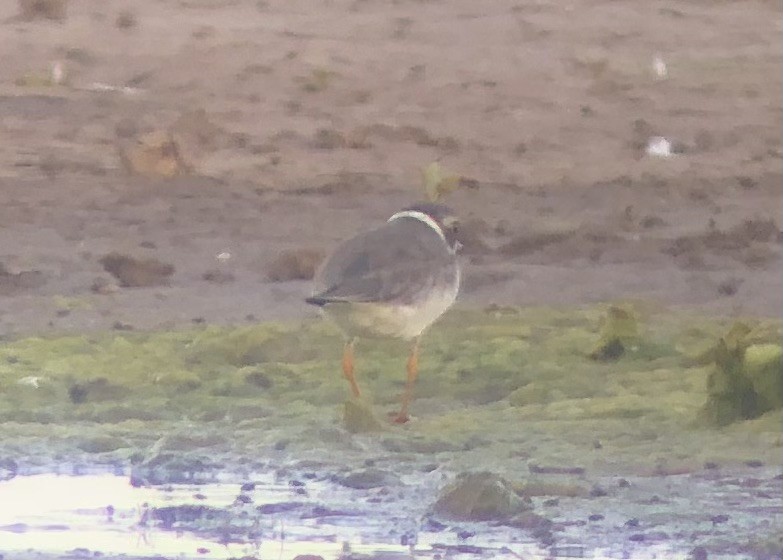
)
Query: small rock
[
  {"x": 370, "y": 478},
  {"x": 154, "y": 154},
  {"x": 217, "y": 276},
  {"x": 481, "y": 496},
  {"x": 164, "y": 467},
  {"x": 104, "y": 286},
  {"x": 637, "y": 537},
  {"x": 298, "y": 264},
  {"x": 532, "y": 522},
  {"x": 137, "y": 273},
  {"x": 538, "y": 526},
  {"x": 431, "y": 525}
]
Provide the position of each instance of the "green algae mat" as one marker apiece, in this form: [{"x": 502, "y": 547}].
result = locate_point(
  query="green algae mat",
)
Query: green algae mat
[{"x": 621, "y": 388}]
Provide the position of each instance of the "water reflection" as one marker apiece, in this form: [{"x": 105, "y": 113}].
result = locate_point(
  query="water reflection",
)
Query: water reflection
[
  {"x": 52, "y": 513},
  {"x": 87, "y": 514}
]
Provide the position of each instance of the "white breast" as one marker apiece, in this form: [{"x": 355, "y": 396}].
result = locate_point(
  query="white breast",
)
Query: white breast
[{"x": 428, "y": 311}]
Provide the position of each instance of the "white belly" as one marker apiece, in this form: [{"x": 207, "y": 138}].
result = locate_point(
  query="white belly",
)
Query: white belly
[{"x": 369, "y": 320}]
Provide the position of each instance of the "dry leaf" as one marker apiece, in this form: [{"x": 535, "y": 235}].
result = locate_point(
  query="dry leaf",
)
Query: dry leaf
[{"x": 436, "y": 184}]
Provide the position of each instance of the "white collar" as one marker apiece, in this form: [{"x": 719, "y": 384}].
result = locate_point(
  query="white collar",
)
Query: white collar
[{"x": 422, "y": 217}]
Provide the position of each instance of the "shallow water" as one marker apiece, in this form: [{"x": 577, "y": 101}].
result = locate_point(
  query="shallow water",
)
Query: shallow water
[
  {"x": 103, "y": 513},
  {"x": 55, "y": 514}
]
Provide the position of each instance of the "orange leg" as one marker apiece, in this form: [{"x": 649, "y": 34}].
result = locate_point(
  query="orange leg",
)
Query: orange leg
[
  {"x": 413, "y": 372},
  {"x": 348, "y": 368}
]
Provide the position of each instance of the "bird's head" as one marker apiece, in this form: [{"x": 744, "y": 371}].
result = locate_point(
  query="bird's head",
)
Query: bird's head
[{"x": 439, "y": 217}]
